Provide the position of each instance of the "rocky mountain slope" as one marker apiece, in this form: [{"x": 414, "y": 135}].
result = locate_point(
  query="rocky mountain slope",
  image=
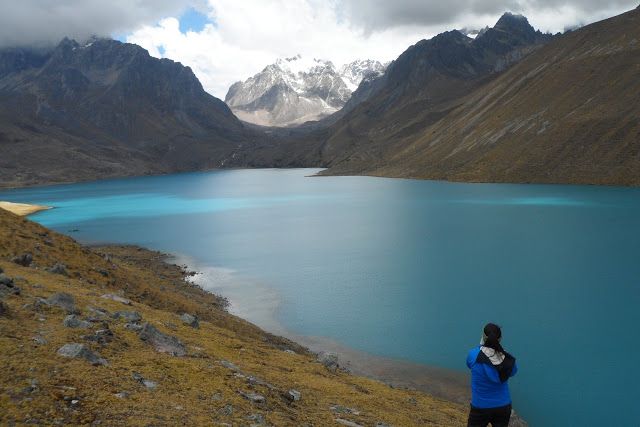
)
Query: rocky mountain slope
[
  {"x": 420, "y": 86},
  {"x": 115, "y": 336},
  {"x": 511, "y": 105},
  {"x": 104, "y": 109},
  {"x": 295, "y": 90},
  {"x": 568, "y": 112}
]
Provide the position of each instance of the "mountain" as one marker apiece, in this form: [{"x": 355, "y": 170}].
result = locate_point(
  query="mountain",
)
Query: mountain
[
  {"x": 295, "y": 90},
  {"x": 567, "y": 112},
  {"x": 106, "y": 108},
  {"x": 417, "y": 89}
]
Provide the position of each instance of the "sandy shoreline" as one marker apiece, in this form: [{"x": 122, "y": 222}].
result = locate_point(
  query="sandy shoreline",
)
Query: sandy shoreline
[
  {"x": 259, "y": 305},
  {"x": 22, "y": 209}
]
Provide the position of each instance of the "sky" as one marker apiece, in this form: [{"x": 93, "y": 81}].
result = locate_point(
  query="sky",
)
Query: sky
[{"x": 224, "y": 41}]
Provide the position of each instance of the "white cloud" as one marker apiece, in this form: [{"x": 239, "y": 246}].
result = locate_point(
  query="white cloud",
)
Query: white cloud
[
  {"x": 247, "y": 35},
  {"x": 46, "y": 22}
]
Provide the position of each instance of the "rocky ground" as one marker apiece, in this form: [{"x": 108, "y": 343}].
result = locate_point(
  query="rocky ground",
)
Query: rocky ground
[{"x": 115, "y": 336}]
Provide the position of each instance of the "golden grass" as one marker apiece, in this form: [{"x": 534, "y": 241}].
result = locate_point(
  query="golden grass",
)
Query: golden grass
[
  {"x": 192, "y": 390},
  {"x": 22, "y": 209}
]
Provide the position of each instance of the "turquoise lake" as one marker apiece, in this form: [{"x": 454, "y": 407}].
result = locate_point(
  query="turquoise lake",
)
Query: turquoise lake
[{"x": 409, "y": 269}]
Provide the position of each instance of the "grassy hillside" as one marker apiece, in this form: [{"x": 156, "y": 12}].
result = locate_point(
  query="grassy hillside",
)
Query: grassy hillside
[
  {"x": 227, "y": 359},
  {"x": 567, "y": 113}
]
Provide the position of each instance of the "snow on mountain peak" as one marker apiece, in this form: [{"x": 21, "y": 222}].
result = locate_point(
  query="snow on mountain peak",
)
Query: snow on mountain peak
[{"x": 297, "y": 89}]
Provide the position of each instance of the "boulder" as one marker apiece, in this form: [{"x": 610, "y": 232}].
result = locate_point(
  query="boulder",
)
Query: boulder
[
  {"x": 6, "y": 280},
  {"x": 347, "y": 423},
  {"x": 294, "y": 395},
  {"x": 116, "y": 298},
  {"x": 190, "y": 320},
  {"x": 229, "y": 366},
  {"x": 329, "y": 360},
  {"x": 7, "y": 286},
  {"x": 63, "y": 300},
  {"x": 253, "y": 397},
  {"x": 24, "y": 260},
  {"x": 129, "y": 316},
  {"x": 137, "y": 327},
  {"x": 151, "y": 385},
  {"x": 162, "y": 342},
  {"x": 101, "y": 336},
  {"x": 39, "y": 340},
  {"x": 81, "y": 351},
  {"x": 58, "y": 268},
  {"x": 74, "y": 321}
]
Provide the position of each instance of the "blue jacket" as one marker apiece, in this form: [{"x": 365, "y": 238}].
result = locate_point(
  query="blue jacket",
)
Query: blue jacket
[{"x": 487, "y": 390}]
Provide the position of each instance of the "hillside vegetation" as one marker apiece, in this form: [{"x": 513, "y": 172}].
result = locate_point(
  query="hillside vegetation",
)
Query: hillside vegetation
[{"x": 140, "y": 361}]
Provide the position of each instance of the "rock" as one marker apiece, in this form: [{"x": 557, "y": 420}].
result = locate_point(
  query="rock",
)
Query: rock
[
  {"x": 257, "y": 381},
  {"x": 116, "y": 298},
  {"x": 329, "y": 360},
  {"x": 347, "y": 423},
  {"x": 381, "y": 424},
  {"x": 289, "y": 351},
  {"x": 229, "y": 366},
  {"x": 58, "y": 268},
  {"x": 122, "y": 395},
  {"x": 516, "y": 421},
  {"x": 73, "y": 321},
  {"x": 136, "y": 327},
  {"x": 294, "y": 395},
  {"x": 97, "y": 314},
  {"x": 4, "y": 309},
  {"x": 226, "y": 410},
  {"x": 162, "y": 342},
  {"x": 257, "y": 419},
  {"x": 190, "y": 320},
  {"x": 344, "y": 410},
  {"x": 6, "y": 280},
  {"x": 129, "y": 316},
  {"x": 63, "y": 300},
  {"x": 39, "y": 340},
  {"x": 24, "y": 260},
  {"x": 217, "y": 397},
  {"x": 253, "y": 397},
  {"x": 151, "y": 385},
  {"x": 101, "y": 336},
  {"x": 80, "y": 351}
]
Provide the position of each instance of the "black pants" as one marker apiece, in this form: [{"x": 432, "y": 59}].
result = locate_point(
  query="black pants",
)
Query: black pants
[{"x": 481, "y": 417}]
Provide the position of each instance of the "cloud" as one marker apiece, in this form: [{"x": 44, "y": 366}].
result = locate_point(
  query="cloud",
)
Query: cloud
[
  {"x": 375, "y": 15},
  {"x": 46, "y": 22},
  {"x": 245, "y": 36},
  {"x": 234, "y": 39}
]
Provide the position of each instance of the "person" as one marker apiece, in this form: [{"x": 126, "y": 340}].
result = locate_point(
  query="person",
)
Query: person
[{"x": 491, "y": 367}]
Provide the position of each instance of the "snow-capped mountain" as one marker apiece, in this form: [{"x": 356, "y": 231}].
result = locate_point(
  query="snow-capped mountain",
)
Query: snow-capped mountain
[{"x": 296, "y": 89}]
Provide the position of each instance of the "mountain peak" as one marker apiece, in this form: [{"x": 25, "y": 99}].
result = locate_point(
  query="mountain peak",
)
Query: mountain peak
[{"x": 510, "y": 21}]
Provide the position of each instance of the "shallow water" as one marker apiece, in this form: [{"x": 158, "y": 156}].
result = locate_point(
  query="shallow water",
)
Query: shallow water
[{"x": 407, "y": 269}]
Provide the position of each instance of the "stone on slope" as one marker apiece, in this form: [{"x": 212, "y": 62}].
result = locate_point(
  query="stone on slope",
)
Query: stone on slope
[
  {"x": 74, "y": 321},
  {"x": 81, "y": 351},
  {"x": 329, "y": 360},
  {"x": 129, "y": 316},
  {"x": 116, "y": 298},
  {"x": 190, "y": 320},
  {"x": 58, "y": 268},
  {"x": 24, "y": 260},
  {"x": 63, "y": 300},
  {"x": 163, "y": 343},
  {"x": 253, "y": 397}
]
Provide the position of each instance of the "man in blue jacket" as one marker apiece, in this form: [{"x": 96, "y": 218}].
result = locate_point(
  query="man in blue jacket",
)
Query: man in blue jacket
[{"x": 491, "y": 367}]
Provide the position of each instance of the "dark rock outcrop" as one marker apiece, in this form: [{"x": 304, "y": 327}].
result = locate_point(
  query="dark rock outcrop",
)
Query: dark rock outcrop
[
  {"x": 81, "y": 351},
  {"x": 162, "y": 343}
]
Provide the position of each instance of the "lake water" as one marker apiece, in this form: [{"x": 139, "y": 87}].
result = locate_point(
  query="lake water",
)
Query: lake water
[{"x": 406, "y": 269}]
